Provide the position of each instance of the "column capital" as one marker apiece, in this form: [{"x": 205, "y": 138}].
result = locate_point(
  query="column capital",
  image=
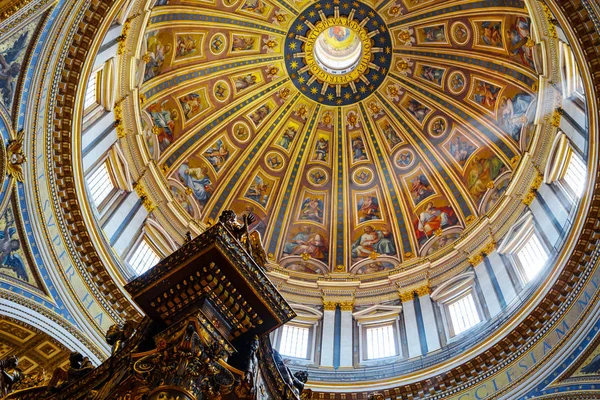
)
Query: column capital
[
  {"x": 423, "y": 290},
  {"x": 329, "y": 305},
  {"x": 407, "y": 295},
  {"x": 347, "y": 305}
]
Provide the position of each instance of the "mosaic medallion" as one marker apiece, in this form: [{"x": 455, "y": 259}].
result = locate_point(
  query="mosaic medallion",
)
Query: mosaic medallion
[{"x": 338, "y": 54}]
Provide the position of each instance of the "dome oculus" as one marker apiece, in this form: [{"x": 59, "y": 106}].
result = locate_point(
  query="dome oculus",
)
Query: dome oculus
[{"x": 338, "y": 59}]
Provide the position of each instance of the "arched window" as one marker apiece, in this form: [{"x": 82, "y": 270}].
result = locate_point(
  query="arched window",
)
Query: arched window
[
  {"x": 100, "y": 184},
  {"x": 294, "y": 341},
  {"x": 92, "y": 92},
  {"x": 463, "y": 313},
  {"x": 297, "y": 338},
  {"x": 379, "y": 332},
  {"x": 524, "y": 247},
  {"x": 381, "y": 341},
  {"x": 575, "y": 173},
  {"x": 566, "y": 168},
  {"x": 458, "y": 304},
  {"x": 143, "y": 256}
]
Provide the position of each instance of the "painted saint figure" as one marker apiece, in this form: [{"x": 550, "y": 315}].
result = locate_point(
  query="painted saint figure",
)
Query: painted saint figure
[
  {"x": 433, "y": 218},
  {"x": 374, "y": 241},
  {"x": 198, "y": 181},
  {"x": 368, "y": 209}
]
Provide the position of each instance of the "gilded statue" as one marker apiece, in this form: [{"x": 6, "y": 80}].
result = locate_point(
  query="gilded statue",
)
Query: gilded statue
[
  {"x": 117, "y": 334},
  {"x": 10, "y": 374}
]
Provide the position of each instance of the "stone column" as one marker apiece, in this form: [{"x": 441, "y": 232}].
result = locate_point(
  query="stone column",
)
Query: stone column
[
  {"x": 346, "y": 345},
  {"x": 328, "y": 334},
  {"x": 429, "y": 321},
  {"x": 410, "y": 321}
]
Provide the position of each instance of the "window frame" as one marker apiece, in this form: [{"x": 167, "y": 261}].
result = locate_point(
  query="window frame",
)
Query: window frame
[
  {"x": 451, "y": 291},
  {"x": 310, "y": 343},
  {"x": 143, "y": 238},
  {"x": 365, "y": 327},
  {"x": 92, "y": 108},
  {"x": 470, "y": 292},
  {"x": 112, "y": 195},
  {"x": 519, "y": 267}
]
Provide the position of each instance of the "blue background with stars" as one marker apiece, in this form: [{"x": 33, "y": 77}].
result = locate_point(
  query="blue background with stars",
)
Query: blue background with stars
[{"x": 382, "y": 59}]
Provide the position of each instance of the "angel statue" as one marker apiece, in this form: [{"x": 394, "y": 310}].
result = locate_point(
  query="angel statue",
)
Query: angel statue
[
  {"x": 10, "y": 68},
  {"x": 8, "y": 246},
  {"x": 16, "y": 158}
]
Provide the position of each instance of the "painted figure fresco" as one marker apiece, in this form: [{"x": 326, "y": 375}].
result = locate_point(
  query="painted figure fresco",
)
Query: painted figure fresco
[
  {"x": 274, "y": 161},
  {"x": 417, "y": 110},
  {"x": 434, "y": 34},
  {"x": 256, "y": 6},
  {"x": 358, "y": 148},
  {"x": 193, "y": 104},
  {"x": 493, "y": 196},
  {"x": 460, "y": 32},
  {"x": 182, "y": 199},
  {"x": 513, "y": 113},
  {"x": 163, "y": 120},
  {"x": 432, "y": 74},
  {"x": 307, "y": 242},
  {"x": 491, "y": 34},
  {"x": 287, "y": 137},
  {"x": 11, "y": 256},
  {"x": 243, "y": 43},
  {"x": 518, "y": 35},
  {"x": 305, "y": 267},
  {"x": 186, "y": 45},
  {"x": 10, "y": 69},
  {"x": 363, "y": 176},
  {"x": 12, "y": 55},
  {"x": 405, "y": 158},
  {"x": 440, "y": 243},
  {"x": 312, "y": 209},
  {"x": 485, "y": 94},
  {"x": 420, "y": 188},
  {"x": 321, "y": 152},
  {"x": 480, "y": 172},
  {"x": 155, "y": 55},
  {"x": 438, "y": 126},
  {"x": 260, "y": 114},
  {"x": 217, "y": 154},
  {"x": 433, "y": 218},
  {"x": 376, "y": 266},
  {"x": 457, "y": 82},
  {"x": 245, "y": 81},
  {"x": 198, "y": 181},
  {"x": 259, "y": 190},
  {"x": 460, "y": 149},
  {"x": 317, "y": 176},
  {"x": 390, "y": 134},
  {"x": 374, "y": 241},
  {"x": 241, "y": 131},
  {"x": 368, "y": 208}
]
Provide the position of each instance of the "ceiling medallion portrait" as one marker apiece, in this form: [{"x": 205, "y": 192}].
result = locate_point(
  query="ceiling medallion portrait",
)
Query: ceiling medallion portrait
[{"x": 338, "y": 54}]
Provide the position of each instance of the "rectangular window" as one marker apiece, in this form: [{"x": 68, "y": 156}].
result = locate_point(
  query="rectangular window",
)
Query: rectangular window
[
  {"x": 100, "y": 184},
  {"x": 294, "y": 341},
  {"x": 143, "y": 258},
  {"x": 575, "y": 175},
  {"x": 91, "y": 91},
  {"x": 380, "y": 342},
  {"x": 463, "y": 313},
  {"x": 532, "y": 257}
]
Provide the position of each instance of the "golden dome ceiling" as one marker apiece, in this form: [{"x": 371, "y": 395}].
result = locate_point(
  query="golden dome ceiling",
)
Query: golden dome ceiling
[{"x": 360, "y": 134}]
